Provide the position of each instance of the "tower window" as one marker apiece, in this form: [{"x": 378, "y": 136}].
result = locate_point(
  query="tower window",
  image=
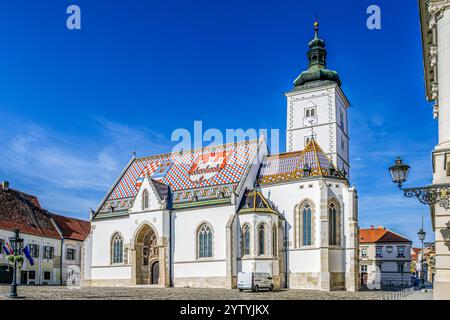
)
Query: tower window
[
  {"x": 310, "y": 112},
  {"x": 342, "y": 120}
]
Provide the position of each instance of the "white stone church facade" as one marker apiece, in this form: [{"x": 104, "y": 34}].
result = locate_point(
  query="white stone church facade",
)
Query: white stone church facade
[{"x": 196, "y": 218}]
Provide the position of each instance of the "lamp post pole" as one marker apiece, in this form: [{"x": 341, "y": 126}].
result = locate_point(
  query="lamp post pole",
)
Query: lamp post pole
[
  {"x": 16, "y": 243},
  {"x": 421, "y": 235},
  {"x": 13, "y": 292}
]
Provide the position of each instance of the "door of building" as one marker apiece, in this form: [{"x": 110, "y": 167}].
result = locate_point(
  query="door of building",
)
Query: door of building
[
  {"x": 6, "y": 274},
  {"x": 155, "y": 272},
  {"x": 24, "y": 277}
]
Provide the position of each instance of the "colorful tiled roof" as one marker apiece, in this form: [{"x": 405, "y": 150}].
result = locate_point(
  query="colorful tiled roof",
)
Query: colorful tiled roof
[
  {"x": 254, "y": 201},
  {"x": 291, "y": 165},
  {"x": 380, "y": 235},
  {"x": 205, "y": 174}
]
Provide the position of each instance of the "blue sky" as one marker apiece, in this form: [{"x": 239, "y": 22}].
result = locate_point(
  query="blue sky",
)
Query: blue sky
[{"x": 75, "y": 104}]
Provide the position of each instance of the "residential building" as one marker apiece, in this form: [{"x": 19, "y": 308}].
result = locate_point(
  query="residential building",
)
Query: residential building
[
  {"x": 74, "y": 232},
  {"x": 52, "y": 239},
  {"x": 385, "y": 258}
]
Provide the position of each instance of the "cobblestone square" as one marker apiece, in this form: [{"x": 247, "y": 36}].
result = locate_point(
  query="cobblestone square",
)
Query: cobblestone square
[{"x": 153, "y": 293}]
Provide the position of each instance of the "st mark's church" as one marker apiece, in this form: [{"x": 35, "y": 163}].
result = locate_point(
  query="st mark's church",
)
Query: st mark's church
[{"x": 198, "y": 217}]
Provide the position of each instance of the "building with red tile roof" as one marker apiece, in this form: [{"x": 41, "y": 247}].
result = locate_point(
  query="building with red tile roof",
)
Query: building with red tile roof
[
  {"x": 380, "y": 235},
  {"x": 55, "y": 242},
  {"x": 385, "y": 258},
  {"x": 71, "y": 228}
]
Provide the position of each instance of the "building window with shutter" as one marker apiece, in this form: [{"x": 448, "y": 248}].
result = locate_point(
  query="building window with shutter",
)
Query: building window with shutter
[
  {"x": 379, "y": 252},
  {"x": 70, "y": 254},
  {"x": 34, "y": 250},
  {"x": 47, "y": 275},
  {"x": 48, "y": 252},
  {"x": 363, "y": 252},
  {"x": 401, "y": 252}
]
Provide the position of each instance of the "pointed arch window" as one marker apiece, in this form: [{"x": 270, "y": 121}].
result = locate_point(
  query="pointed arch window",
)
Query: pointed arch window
[
  {"x": 205, "y": 241},
  {"x": 245, "y": 240},
  {"x": 117, "y": 248},
  {"x": 262, "y": 239},
  {"x": 274, "y": 241},
  {"x": 333, "y": 225},
  {"x": 306, "y": 225},
  {"x": 145, "y": 200}
]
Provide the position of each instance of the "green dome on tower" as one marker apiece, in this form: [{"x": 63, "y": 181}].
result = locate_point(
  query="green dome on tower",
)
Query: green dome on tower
[{"x": 317, "y": 56}]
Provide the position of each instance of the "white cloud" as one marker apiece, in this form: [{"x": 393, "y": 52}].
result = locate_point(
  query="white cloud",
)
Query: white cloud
[{"x": 70, "y": 174}]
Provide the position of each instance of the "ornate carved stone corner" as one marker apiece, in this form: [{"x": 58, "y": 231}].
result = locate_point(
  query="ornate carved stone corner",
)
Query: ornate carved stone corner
[
  {"x": 436, "y": 9},
  {"x": 433, "y": 49},
  {"x": 434, "y": 90},
  {"x": 436, "y": 111}
]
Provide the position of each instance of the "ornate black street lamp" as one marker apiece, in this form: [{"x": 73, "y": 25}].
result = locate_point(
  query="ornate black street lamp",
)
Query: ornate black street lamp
[
  {"x": 422, "y": 235},
  {"x": 430, "y": 195},
  {"x": 16, "y": 243}
]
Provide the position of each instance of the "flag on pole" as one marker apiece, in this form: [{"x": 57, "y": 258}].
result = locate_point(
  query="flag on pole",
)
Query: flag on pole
[
  {"x": 26, "y": 251},
  {"x": 6, "y": 249},
  {"x": 11, "y": 251}
]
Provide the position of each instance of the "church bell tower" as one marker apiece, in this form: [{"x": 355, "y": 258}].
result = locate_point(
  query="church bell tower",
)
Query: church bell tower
[{"x": 317, "y": 108}]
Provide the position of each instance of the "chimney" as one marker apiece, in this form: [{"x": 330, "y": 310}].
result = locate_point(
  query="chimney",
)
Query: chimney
[
  {"x": 5, "y": 185},
  {"x": 371, "y": 227}
]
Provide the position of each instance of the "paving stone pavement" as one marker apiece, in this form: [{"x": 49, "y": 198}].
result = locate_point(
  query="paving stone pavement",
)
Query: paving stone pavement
[{"x": 152, "y": 293}]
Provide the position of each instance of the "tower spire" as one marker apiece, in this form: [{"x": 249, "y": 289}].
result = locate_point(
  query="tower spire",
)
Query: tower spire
[{"x": 317, "y": 57}]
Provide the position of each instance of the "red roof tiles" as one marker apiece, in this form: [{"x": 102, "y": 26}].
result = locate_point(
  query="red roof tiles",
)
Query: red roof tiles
[
  {"x": 380, "y": 235},
  {"x": 71, "y": 228},
  {"x": 24, "y": 212},
  {"x": 19, "y": 211}
]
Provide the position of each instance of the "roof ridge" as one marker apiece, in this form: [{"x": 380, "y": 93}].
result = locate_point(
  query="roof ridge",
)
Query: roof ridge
[
  {"x": 398, "y": 234},
  {"x": 200, "y": 148},
  {"x": 284, "y": 153}
]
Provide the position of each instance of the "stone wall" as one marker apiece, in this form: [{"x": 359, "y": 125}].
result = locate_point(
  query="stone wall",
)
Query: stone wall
[
  {"x": 337, "y": 280},
  {"x": 106, "y": 283},
  {"x": 201, "y": 282},
  {"x": 304, "y": 280}
]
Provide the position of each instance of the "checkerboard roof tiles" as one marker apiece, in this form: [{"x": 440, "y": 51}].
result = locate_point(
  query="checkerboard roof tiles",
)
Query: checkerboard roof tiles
[
  {"x": 197, "y": 168},
  {"x": 254, "y": 201},
  {"x": 290, "y": 165}
]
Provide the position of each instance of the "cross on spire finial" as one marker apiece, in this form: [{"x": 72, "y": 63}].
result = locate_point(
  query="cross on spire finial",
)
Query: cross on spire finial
[{"x": 316, "y": 26}]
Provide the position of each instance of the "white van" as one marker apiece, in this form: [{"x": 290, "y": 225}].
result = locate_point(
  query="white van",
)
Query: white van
[{"x": 254, "y": 281}]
